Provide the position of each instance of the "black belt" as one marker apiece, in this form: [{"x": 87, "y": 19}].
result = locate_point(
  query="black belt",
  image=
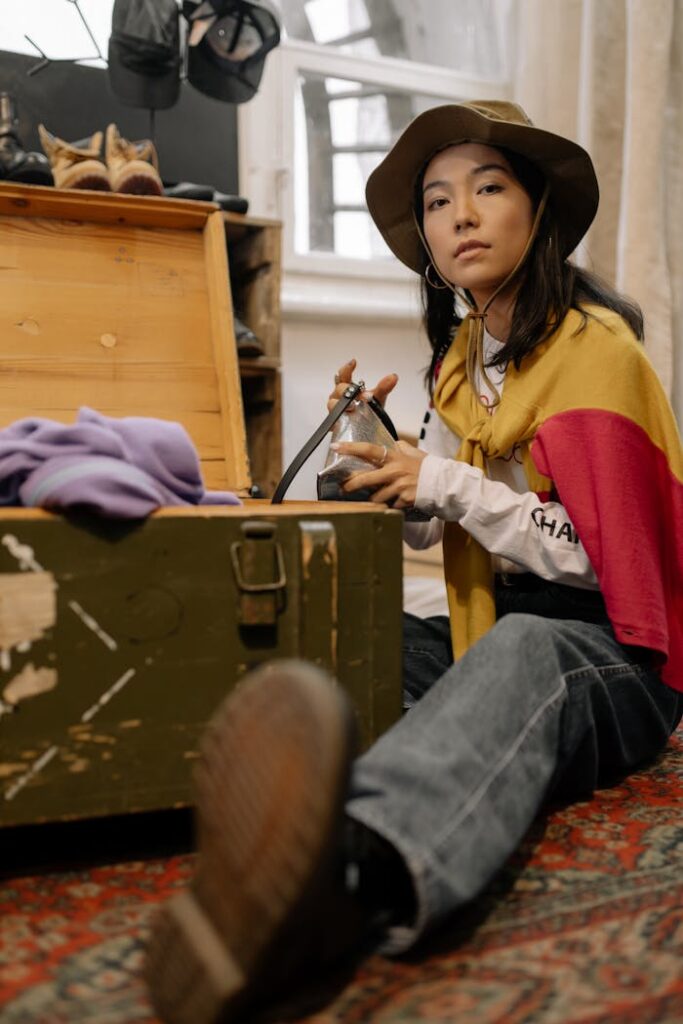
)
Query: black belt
[
  {"x": 529, "y": 582},
  {"x": 520, "y": 580}
]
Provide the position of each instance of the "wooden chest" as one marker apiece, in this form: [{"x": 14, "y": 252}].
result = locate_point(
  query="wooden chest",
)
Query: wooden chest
[{"x": 118, "y": 639}]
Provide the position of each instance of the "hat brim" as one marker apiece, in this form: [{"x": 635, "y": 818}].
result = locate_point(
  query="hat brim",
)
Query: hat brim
[
  {"x": 222, "y": 84},
  {"x": 153, "y": 92},
  {"x": 390, "y": 190}
]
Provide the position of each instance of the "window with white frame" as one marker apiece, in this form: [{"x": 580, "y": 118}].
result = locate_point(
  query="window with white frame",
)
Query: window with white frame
[
  {"x": 348, "y": 78},
  {"x": 58, "y": 28}
]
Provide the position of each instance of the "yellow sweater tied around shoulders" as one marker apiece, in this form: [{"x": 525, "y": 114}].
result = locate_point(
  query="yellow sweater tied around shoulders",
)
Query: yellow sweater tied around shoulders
[{"x": 573, "y": 369}]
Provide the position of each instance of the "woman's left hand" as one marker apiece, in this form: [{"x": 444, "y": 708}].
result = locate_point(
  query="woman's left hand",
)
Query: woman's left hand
[{"x": 393, "y": 478}]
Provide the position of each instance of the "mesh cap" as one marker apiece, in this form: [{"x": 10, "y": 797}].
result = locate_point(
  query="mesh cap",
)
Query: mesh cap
[
  {"x": 228, "y": 42},
  {"x": 144, "y": 53}
]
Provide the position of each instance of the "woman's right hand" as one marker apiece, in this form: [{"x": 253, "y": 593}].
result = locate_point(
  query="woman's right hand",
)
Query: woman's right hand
[{"x": 344, "y": 376}]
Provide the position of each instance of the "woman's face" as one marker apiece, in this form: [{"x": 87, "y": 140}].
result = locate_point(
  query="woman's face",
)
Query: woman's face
[{"x": 477, "y": 218}]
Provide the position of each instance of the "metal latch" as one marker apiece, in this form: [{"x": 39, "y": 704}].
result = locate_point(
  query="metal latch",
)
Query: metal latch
[{"x": 259, "y": 568}]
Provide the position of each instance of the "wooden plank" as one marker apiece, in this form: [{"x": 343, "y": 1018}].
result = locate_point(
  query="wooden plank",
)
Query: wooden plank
[
  {"x": 255, "y": 261},
  {"x": 262, "y": 507},
  {"x": 258, "y": 365},
  {"x": 165, "y": 390},
  {"x": 225, "y": 354},
  {"x": 151, "y": 306},
  {"x": 255, "y": 249},
  {"x": 103, "y": 207},
  {"x": 237, "y": 224},
  {"x": 262, "y": 396},
  {"x": 254, "y": 506}
]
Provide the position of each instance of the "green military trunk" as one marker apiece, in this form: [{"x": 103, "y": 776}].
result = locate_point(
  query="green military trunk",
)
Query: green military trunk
[{"x": 118, "y": 642}]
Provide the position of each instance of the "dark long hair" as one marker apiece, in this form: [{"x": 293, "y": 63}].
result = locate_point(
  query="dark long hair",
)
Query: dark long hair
[{"x": 550, "y": 286}]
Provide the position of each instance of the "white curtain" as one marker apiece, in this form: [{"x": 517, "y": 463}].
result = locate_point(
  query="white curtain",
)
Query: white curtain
[{"x": 609, "y": 74}]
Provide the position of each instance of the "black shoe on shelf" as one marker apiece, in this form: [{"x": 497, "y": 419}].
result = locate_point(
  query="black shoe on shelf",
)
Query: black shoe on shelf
[
  {"x": 188, "y": 190},
  {"x": 248, "y": 345},
  {"x": 234, "y": 204},
  {"x": 207, "y": 193},
  {"x": 15, "y": 163}
]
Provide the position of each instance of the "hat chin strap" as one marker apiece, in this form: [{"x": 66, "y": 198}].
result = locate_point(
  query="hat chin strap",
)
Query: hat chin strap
[{"x": 476, "y": 317}]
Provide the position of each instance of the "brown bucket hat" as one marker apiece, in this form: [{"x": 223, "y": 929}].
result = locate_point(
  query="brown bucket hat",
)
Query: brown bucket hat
[{"x": 567, "y": 167}]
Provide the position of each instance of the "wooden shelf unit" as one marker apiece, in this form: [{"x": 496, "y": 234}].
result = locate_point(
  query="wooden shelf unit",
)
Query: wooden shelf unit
[
  {"x": 69, "y": 236},
  {"x": 254, "y": 260}
]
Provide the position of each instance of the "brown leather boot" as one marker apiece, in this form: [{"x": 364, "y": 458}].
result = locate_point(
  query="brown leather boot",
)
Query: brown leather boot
[
  {"x": 268, "y": 907},
  {"x": 133, "y": 166},
  {"x": 76, "y": 164}
]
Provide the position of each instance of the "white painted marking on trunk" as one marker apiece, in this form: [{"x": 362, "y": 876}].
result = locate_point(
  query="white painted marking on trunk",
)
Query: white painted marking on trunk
[
  {"x": 88, "y": 715},
  {"x": 28, "y": 608},
  {"x": 6, "y": 708},
  {"x": 30, "y": 682},
  {"x": 92, "y": 625},
  {"x": 36, "y": 767},
  {"x": 23, "y": 553}
]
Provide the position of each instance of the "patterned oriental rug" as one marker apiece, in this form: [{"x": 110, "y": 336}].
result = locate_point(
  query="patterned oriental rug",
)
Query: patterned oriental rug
[{"x": 584, "y": 925}]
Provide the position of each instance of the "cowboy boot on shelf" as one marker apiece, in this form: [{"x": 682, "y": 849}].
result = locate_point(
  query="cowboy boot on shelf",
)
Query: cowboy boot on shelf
[
  {"x": 15, "y": 163},
  {"x": 133, "y": 166},
  {"x": 76, "y": 164}
]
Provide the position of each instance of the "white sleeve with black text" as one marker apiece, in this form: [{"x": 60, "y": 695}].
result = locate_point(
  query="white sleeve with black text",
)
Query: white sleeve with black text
[{"x": 534, "y": 536}]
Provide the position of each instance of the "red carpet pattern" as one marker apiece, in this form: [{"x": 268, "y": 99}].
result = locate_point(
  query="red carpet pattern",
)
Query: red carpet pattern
[{"x": 584, "y": 925}]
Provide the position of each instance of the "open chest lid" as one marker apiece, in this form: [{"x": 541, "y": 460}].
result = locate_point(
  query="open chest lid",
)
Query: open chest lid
[{"x": 121, "y": 303}]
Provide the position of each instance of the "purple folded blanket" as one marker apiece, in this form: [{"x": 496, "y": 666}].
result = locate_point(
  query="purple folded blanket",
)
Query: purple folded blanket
[{"x": 124, "y": 468}]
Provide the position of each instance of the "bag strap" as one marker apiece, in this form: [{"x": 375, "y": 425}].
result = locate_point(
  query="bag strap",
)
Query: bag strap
[{"x": 351, "y": 393}]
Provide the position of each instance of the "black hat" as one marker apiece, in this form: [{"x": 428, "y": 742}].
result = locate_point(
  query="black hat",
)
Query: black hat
[
  {"x": 227, "y": 46},
  {"x": 144, "y": 53}
]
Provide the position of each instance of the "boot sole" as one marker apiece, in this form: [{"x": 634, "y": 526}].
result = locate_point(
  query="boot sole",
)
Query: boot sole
[
  {"x": 86, "y": 174},
  {"x": 91, "y": 183},
  {"x": 138, "y": 178},
  {"x": 140, "y": 185},
  {"x": 270, "y": 788},
  {"x": 191, "y": 974}
]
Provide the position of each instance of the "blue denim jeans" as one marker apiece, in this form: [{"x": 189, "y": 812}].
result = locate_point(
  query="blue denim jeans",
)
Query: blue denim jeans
[{"x": 540, "y": 707}]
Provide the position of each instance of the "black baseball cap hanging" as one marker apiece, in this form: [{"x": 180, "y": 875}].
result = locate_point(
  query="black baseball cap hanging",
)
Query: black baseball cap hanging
[
  {"x": 144, "y": 53},
  {"x": 227, "y": 45}
]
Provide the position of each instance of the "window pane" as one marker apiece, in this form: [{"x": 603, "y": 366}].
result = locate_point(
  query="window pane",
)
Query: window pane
[
  {"x": 348, "y": 181},
  {"x": 342, "y": 131},
  {"x": 358, "y": 121},
  {"x": 336, "y": 85},
  {"x": 330, "y": 19},
  {"x": 471, "y": 36},
  {"x": 56, "y": 28},
  {"x": 357, "y": 237}
]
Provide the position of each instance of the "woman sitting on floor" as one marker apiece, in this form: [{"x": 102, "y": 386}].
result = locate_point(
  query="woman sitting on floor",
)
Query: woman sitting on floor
[{"x": 554, "y": 478}]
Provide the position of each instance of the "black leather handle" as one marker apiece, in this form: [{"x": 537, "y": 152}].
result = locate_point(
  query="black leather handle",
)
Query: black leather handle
[
  {"x": 351, "y": 393},
  {"x": 384, "y": 416}
]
